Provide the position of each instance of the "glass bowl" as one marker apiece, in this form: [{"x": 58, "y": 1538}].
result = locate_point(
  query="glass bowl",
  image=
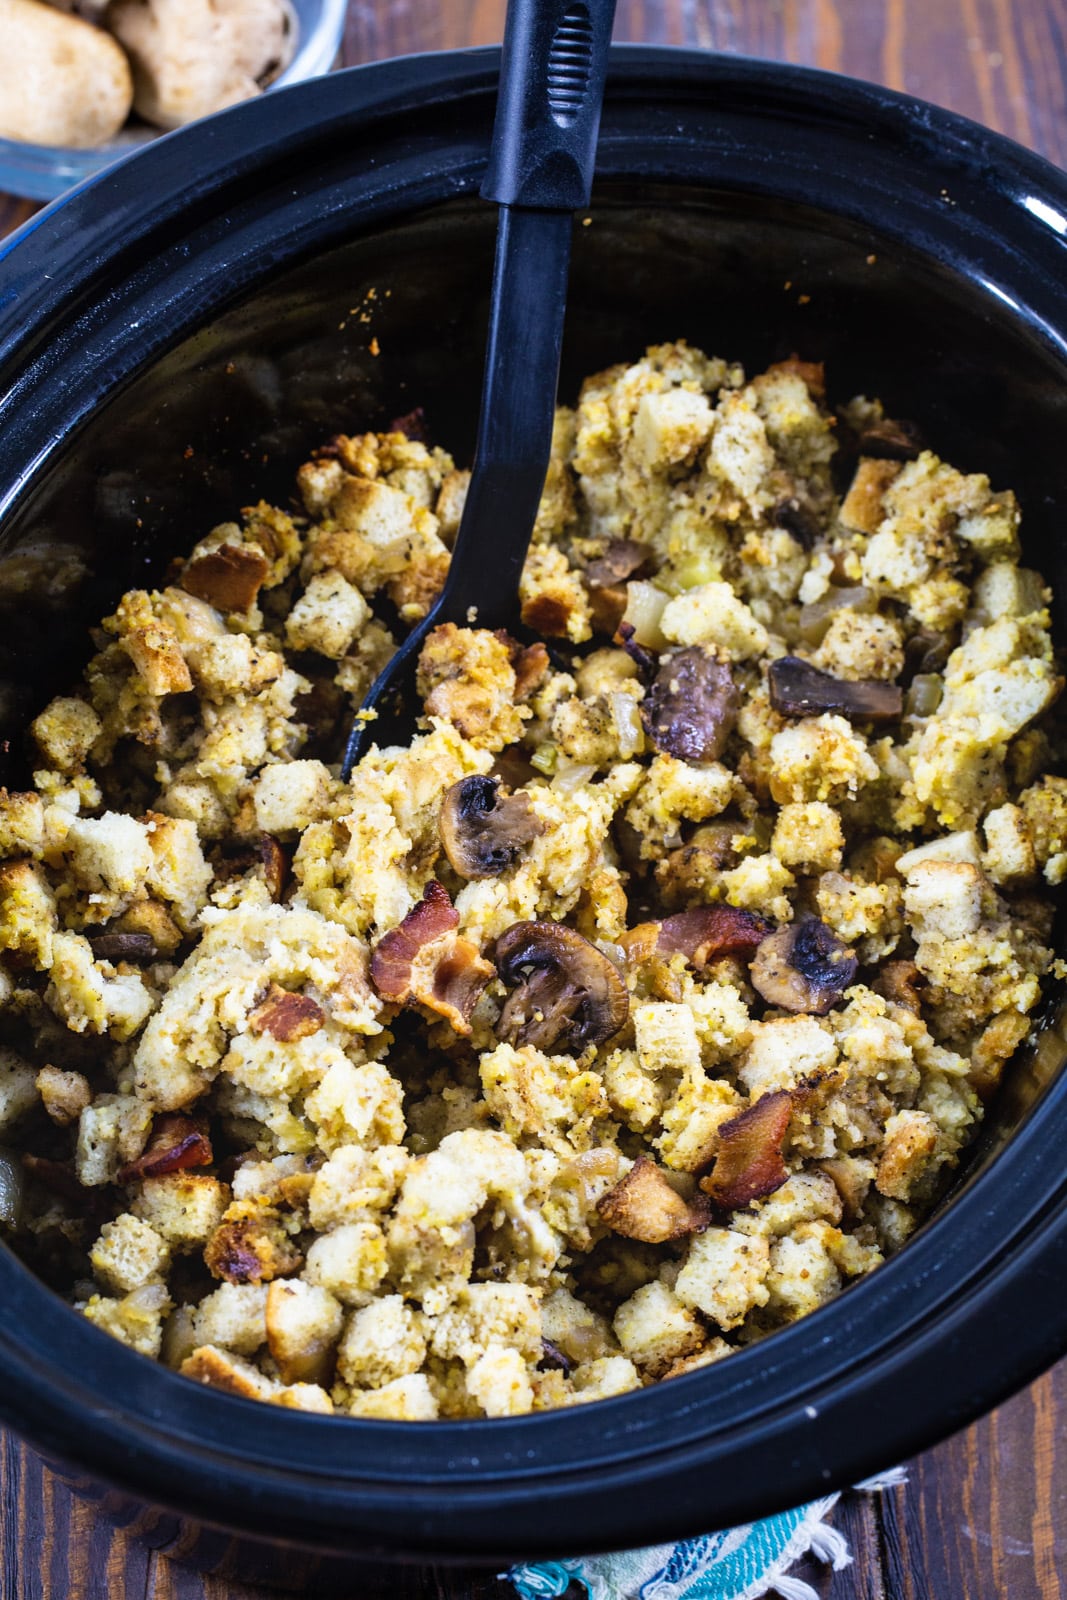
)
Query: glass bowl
[{"x": 40, "y": 172}]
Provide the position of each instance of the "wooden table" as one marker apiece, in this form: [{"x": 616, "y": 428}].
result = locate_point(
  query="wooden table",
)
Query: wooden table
[{"x": 984, "y": 1517}]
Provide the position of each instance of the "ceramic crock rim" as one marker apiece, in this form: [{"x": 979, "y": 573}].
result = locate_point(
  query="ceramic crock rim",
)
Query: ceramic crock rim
[{"x": 628, "y": 1470}]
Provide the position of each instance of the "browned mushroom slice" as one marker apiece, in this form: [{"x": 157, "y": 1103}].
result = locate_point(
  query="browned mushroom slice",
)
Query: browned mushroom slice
[
  {"x": 228, "y": 578},
  {"x": 748, "y": 1163},
  {"x": 138, "y": 948},
  {"x": 425, "y": 961},
  {"x": 621, "y": 560},
  {"x": 644, "y": 1206},
  {"x": 175, "y": 1144},
  {"x": 799, "y": 515},
  {"x": 484, "y": 831},
  {"x": 691, "y": 706},
  {"x": 800, "y": 690},
  {"x": 708, "y": 933},
  {"x": 803, "y": 967},
  {"x": 901, "y": 982},
  {"x": 567, "y": 995},
  {"x": 891, "y": 440}
]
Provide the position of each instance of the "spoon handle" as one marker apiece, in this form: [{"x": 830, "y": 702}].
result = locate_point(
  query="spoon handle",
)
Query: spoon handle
[
  {"x": 540, "y": 171},
  {"x": 552, "y": 75}
]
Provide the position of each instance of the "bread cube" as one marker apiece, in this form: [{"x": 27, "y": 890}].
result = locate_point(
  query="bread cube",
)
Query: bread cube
[{"x": 328, "y": 616}]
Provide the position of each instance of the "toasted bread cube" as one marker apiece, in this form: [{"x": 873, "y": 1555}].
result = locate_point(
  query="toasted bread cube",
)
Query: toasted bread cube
[
  {"x": 656, "y": 1329},
  {"x": 290, "y": 795},
  {"x": 500, "y": 1383},
  {"x": 21, "y": 823},
  {"x": 129, "y": 1253},
  {"x": 136, "y": 1319},
  {"x": 233, "y": 1317},
  {"x": 185, "y": 1207},
  {"x": 350, "y": 1262},
  {"x": 27, "y": 912},
  {"x": 408, "y": 1399},
  {"x": 671, "y": 427},
  {"x": 863, "y": 508},
  {"x": 808, "y": 835},
  {"x": 18, "y": 1088},
  {"x": 328, "y": 617},
  {"x": 220, "y": 1370},
  {"x": 65, "y": 1094},
  {"x": 713, "y": 614},
  {"x": 725, "y": 1275},
  {"x": 65, "y": 732},
  {"x": 111, "y": 1131},
  {"x": 666, "y": 1037},
  {"x": 112, "y": 852},
  {"x": 944, "y": 898},
  {"x": 382, "y": 1342},
  {"x": 157, "y": 656},
  {"x": 303, "y": 1327}
]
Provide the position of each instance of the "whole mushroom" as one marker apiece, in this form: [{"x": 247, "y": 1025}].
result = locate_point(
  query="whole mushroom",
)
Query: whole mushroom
[
  {"x": 62, "y": 81},
  {"x": 565, "y": 995}
]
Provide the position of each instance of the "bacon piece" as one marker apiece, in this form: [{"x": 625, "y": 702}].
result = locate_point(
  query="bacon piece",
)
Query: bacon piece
[
  {"x": 644, "y": 1206},
  {"x": 749, "y": 1162},
  {"x": 228, "y": 578},
  {"x": 412, "y": 425},
  {"x": 425, "y": 961},
  {"x": 175, "y": 1144},
  {"x": 286, "y": 1016},
  {"x": 710, "y": 932}
]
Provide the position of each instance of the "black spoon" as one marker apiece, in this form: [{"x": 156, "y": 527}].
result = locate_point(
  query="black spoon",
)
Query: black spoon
[{"x": 540, "y": 172}]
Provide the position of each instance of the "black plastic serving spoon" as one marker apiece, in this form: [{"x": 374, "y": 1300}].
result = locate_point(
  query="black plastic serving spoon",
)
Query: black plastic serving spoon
[{"x": 540, "y": 172}]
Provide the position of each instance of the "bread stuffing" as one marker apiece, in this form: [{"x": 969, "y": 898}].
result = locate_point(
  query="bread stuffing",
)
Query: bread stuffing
[{"x": 648, "y": 998}]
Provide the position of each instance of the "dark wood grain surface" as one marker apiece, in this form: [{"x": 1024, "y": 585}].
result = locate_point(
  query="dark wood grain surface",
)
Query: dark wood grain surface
[{"x": 984, "y": 1516}]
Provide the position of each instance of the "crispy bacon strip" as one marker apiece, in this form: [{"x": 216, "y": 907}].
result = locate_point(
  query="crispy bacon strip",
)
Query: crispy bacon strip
[
  {"x": 644, "y": 1206},
  {"x": 710, "y": 932},
  {"x": 286, "y": 1016},
  {"x": 425, "y": 961},
  {"x": 175, "y": 1144},
  {"x": 749, "y": 1162}
]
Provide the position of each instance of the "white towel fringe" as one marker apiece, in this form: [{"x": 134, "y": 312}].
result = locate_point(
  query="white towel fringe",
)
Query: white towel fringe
[{"x": 889, "y": 1479}]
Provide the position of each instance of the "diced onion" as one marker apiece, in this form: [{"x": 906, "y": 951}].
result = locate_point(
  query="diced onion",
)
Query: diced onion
[
  {"x": 645, "y": 604},
  {"x": 816, "y": 617},
  {"x": 628, "y": 730},
  {"x": 572, "y": 775}
]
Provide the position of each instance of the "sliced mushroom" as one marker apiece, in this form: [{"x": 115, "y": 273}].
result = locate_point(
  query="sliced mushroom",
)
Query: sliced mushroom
[
  {"x": 800, "y": 690},
  {"x": 803, "y": 967},
  {"x": 425, "y": 961},
  {"x": 901, "y": 982},
  {"x": 708, "y": 933},
  {"x": 622, "y": 559},
  {"x": 484, "y": 830},
  {"x": 798, "y": 514},
  {"x": 748, "y": 1162},
  {"x": 175, "y": 1144},
  {"x": 644, "y": 1206},
  {"x": 139, "y": 948},
  {"x": 691, "y": 706},
  {"x": 567, "y": 995},
  {"x": 891, "y": 440}
]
